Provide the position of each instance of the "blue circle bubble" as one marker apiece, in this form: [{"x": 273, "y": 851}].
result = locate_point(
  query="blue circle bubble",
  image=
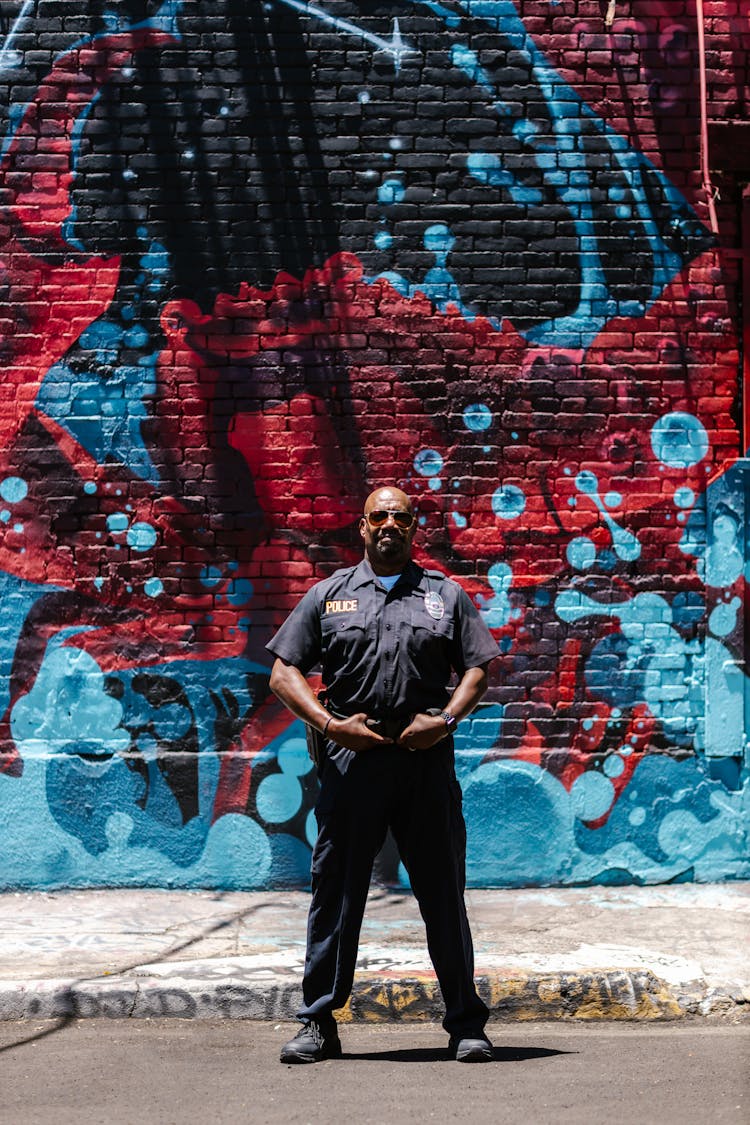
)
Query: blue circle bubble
[
  {"x": 5, "y": 515},
  {"x": 13, "y": 490},
  {"x": 153, "y": 587},
  {"x": 279, "y": 797},
  {"x": 117, "y": 522},
  {"x": 239, "y": 591},
  {"x": 210, "y": 576},
  {"x": 508, "y": 502},
  {"x": 383, "y": 239},
  {"x": 684, "y": 497},
  {"x": 428, "y": 462},
  {"x": 477, "y": 417},
  {"x": 679, "y": 440},
  {"x": 141, "y": 537},
  {"x": 581, "y": 553},
  {"x": 438, "y": 239},
  {"x": 592, "y": 795},
  {"x": 89, "y": 487},
  {"x": 293, "y": 757},
  {"x": 613, "y": 765},
  {"x": 391, "y": 191},
  {"x": 587, "y": 482}
]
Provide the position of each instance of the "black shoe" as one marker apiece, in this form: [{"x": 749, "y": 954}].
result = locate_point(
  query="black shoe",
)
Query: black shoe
[
  {"x": 311, "y": 1044},
  {"x": 470, "y": 1048}
]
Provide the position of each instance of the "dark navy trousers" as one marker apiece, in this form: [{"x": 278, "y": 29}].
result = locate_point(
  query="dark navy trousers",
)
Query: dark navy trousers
[{"x": 417, "y": 795}]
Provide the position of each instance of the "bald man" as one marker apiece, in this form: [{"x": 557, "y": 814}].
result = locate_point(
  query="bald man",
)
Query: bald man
[{"x": 404, "y": 658}]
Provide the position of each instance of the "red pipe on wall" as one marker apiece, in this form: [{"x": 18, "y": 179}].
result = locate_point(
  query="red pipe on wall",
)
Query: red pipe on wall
[{"x": 708, "y": 186}]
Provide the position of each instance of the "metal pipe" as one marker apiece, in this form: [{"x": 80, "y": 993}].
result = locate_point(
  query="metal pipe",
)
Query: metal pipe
[{"x": 708, "y": 187}]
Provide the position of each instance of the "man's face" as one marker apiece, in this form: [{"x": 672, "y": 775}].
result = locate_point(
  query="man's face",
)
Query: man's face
[{"x": 388, "y": 528}]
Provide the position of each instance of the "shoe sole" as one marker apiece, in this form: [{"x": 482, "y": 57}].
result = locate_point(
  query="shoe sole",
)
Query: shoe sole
[
  {"x": 483, "y": 1054},
  {"x": 293, "y": 1057}
]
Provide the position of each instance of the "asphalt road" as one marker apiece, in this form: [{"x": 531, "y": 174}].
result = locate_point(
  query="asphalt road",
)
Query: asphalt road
[{"x": 175, "y": 1072}]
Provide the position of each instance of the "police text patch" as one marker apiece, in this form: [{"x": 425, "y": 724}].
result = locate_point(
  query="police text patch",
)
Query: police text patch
[{"x": 342, "y": 605}]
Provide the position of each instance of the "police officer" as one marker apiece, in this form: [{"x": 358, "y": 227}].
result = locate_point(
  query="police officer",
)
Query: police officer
[{"x": 389, "y": 636}]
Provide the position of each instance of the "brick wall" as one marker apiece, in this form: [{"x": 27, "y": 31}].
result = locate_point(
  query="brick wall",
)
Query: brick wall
[{"x": 259, "y": 259}]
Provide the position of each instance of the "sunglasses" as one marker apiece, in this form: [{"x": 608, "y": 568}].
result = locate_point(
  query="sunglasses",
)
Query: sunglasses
[{"x": 404, "y": 520}]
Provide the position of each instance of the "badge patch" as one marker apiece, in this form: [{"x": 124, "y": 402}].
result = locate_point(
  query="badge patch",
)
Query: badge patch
[
  {"x": 434, "y": 605},
  {"x": 342, "y": 605}
]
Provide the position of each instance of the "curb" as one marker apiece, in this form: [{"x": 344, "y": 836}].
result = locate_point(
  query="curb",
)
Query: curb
[{"x": 617, "y": 994}]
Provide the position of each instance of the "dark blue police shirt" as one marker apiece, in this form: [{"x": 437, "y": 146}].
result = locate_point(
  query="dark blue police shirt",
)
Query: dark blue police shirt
[{"x": 390, "y": 653}]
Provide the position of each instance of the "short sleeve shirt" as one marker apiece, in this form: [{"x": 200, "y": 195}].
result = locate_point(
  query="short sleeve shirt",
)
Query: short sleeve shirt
[{"x": 387, "y": 653}]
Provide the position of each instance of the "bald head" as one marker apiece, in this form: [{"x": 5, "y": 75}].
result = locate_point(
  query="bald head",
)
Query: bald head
[
  {"x": 388, "y": 497},
  {"x": 388, "y": 542}
]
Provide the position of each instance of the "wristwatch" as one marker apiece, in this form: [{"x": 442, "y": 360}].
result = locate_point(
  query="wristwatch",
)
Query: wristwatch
[{"x": 448, "y": 719}]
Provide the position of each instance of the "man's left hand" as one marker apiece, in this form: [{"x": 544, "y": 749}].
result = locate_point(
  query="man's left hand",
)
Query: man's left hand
[{"x": 423, "y": 732}]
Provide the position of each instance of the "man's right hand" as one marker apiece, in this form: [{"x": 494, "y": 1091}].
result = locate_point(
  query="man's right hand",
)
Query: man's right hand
[{"x": 354, "y": 734}]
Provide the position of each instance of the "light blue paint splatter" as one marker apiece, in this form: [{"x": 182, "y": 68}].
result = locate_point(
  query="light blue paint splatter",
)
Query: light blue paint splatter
[
  {"x": 136, "y": 337},
  {"x": 592, "y": 795},
  {"x": 117, "y": 522},
  {"x": 508, "y": 502},
  {"x": 13, "y": 490},
  {"x": 625, "y": 544},
  {"x": 613, "y": 499},
  {"x": 278, "y": 798},
  {"x": 239, "y": 591},
  {"x": 581, "y": 553},
  {"x": 68, "y": 706},
  {"x": 141, "y": 536},
  {"x": 391, "y": 191},
  {"x": 383, "y": 240},
  {"x": 613, "y": 765},
  {"x": 496, "y": 610},
  {"x": 293, "y": 757},
  {"x": 210, "y": 576},
  {"x": 723, "y": 617},
  {"x": 311, "y": 828},
  {"x": 428, "y": 462},
  {"x": 458, "y": 519},
  {"x": 657, "y": 666},
  {"x": 684, "y": 497},
  {"x": 477, "y": 417},
  {"x": 723, "y": 561},
  {"x": 89, "y": 487},
  {"x": 487, "y": 169},
  {"x": 679, "y": 440},
  {"x": 153, "y": 587}
]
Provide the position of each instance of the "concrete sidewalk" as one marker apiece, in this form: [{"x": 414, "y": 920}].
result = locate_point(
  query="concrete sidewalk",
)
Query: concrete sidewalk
[{"x": 652, "y": 953}]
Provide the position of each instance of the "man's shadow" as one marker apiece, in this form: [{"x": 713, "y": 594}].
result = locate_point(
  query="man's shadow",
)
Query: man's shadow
[{"x": 440, "y": 1054}]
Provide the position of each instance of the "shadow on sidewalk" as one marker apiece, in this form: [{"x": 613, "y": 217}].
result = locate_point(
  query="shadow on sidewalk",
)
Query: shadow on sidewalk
[
  {"x": 61, "y": 1022},
  {"x": 440, "y": 1054}
]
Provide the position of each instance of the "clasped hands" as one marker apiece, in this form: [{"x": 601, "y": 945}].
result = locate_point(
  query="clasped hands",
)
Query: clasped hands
[{"x": 422, "y": 732}]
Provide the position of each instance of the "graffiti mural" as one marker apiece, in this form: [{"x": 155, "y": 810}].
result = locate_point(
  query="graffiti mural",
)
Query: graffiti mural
[{"x": 258, "y": 260}]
